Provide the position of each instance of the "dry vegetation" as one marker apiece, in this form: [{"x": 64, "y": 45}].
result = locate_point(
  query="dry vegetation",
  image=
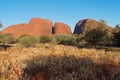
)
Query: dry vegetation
[{"x": 58, "y": 62}]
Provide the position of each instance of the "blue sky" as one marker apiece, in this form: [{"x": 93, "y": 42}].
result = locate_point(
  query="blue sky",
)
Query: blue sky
[{"x": 66, "y": 11}]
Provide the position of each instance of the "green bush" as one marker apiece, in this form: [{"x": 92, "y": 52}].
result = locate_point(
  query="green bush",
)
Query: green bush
[
  {"x": 28, "y": 41},
  {"x": 96, "y": 36},
  {"x": 65, "y": 39},
  {"x": 79, "y": 38},
  {"x": 7, "y": 39},
  {"x": 45, "y": 39},
  {"x": 116, "y": 37},
  {"x": 109, "y": 39},
  {"x": 59, "y": 38}
]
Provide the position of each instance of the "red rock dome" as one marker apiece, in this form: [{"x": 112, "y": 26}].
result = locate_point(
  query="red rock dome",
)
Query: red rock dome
[
  {"x": 36, "y": 27},
  {"x": 61, "y": 28}
]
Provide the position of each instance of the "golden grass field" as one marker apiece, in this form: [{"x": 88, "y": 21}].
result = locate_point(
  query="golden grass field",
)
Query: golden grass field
[{"x": 59, "y": 62}]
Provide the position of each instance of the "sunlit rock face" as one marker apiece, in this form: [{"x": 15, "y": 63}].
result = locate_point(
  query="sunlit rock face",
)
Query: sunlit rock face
[
  {"x": 35, "y": 27},
  {"x": 61, "y": 28}
]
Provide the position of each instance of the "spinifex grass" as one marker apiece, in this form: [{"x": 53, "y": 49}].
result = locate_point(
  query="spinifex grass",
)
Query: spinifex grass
[{"x": 58, "y": 62}]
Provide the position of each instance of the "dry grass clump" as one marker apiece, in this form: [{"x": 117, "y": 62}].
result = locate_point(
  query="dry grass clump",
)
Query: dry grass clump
[
  {"x": 58, "y": 62},
  {"x": 10, "y": 68}
]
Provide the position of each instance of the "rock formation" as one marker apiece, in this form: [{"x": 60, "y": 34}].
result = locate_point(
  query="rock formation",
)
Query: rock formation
[
  {"x": 38, "y": 27},
  {"x": 61, "y": 28},
  {"x": 35, "y": 27},
  {"x": 41, "y": 26},
  {"x": 87, "y": 24}
]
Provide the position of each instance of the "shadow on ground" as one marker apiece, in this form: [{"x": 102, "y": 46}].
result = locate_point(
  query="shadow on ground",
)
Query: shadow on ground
[{"x": 69, "y": 68}]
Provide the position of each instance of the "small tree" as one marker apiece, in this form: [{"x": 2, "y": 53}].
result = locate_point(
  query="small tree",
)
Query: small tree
[
  {"x": 109, "y": 40},
  {"x": 95, "y": 36},
  {"x": 6, "y": 39},
  {"x": 65, "y": 39},
  {"x": 45, "y": 39},
  {"x": 28, "y": 41},
  {"x": 80, "y": 40},
  {"x": 117, "y": 38},
  {"x": 60, "y": 38}
]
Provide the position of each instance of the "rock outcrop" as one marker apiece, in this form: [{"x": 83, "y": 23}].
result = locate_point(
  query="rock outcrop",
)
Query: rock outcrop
[
  {"x": 39, "y": 27},
  {"x": 61, "y": 28},
  {"x": 87, "y": 24},
  {"x": 35, "y": 27}
]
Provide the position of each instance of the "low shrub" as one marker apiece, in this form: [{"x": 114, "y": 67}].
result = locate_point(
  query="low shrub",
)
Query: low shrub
[
  {"x": 7, "y": 39},
  {"x": 65, "y": 39},
  {"x": 116, "y": 37},
  {"x": 45, "y": 39},
  {"x": 96, "y": 36},
  {"x": 28, "y": 41}
]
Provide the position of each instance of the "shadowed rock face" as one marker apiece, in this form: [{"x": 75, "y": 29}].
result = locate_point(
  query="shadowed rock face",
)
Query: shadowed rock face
[
  {"x": 86, "y": 24},
  {"x": 78, "y": 28},
  {"x": 36, "y": 27},
  {"x": 61, "y": 28}
]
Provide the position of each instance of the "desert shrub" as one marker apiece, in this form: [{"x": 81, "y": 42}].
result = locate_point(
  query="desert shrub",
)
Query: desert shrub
[
  {"x": 80, "y": 41},
  {"x": 59, "y": 38},
  {"x": 79, "y": 38},
  {"x": 7, "y": 39},
  {"x": 28, "y": 41},
  {"x": 96, "y": 36},
  {"x": 45, "y": 39},
  {"x": 71, "y": 41},
  {"x": 65, "y": 39},
  {"x": 116, "y": 37},
  {"x": 109, "y": 40}
]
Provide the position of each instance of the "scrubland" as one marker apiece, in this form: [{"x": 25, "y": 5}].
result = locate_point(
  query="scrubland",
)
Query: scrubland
[{"x": 59, "y": 62}]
